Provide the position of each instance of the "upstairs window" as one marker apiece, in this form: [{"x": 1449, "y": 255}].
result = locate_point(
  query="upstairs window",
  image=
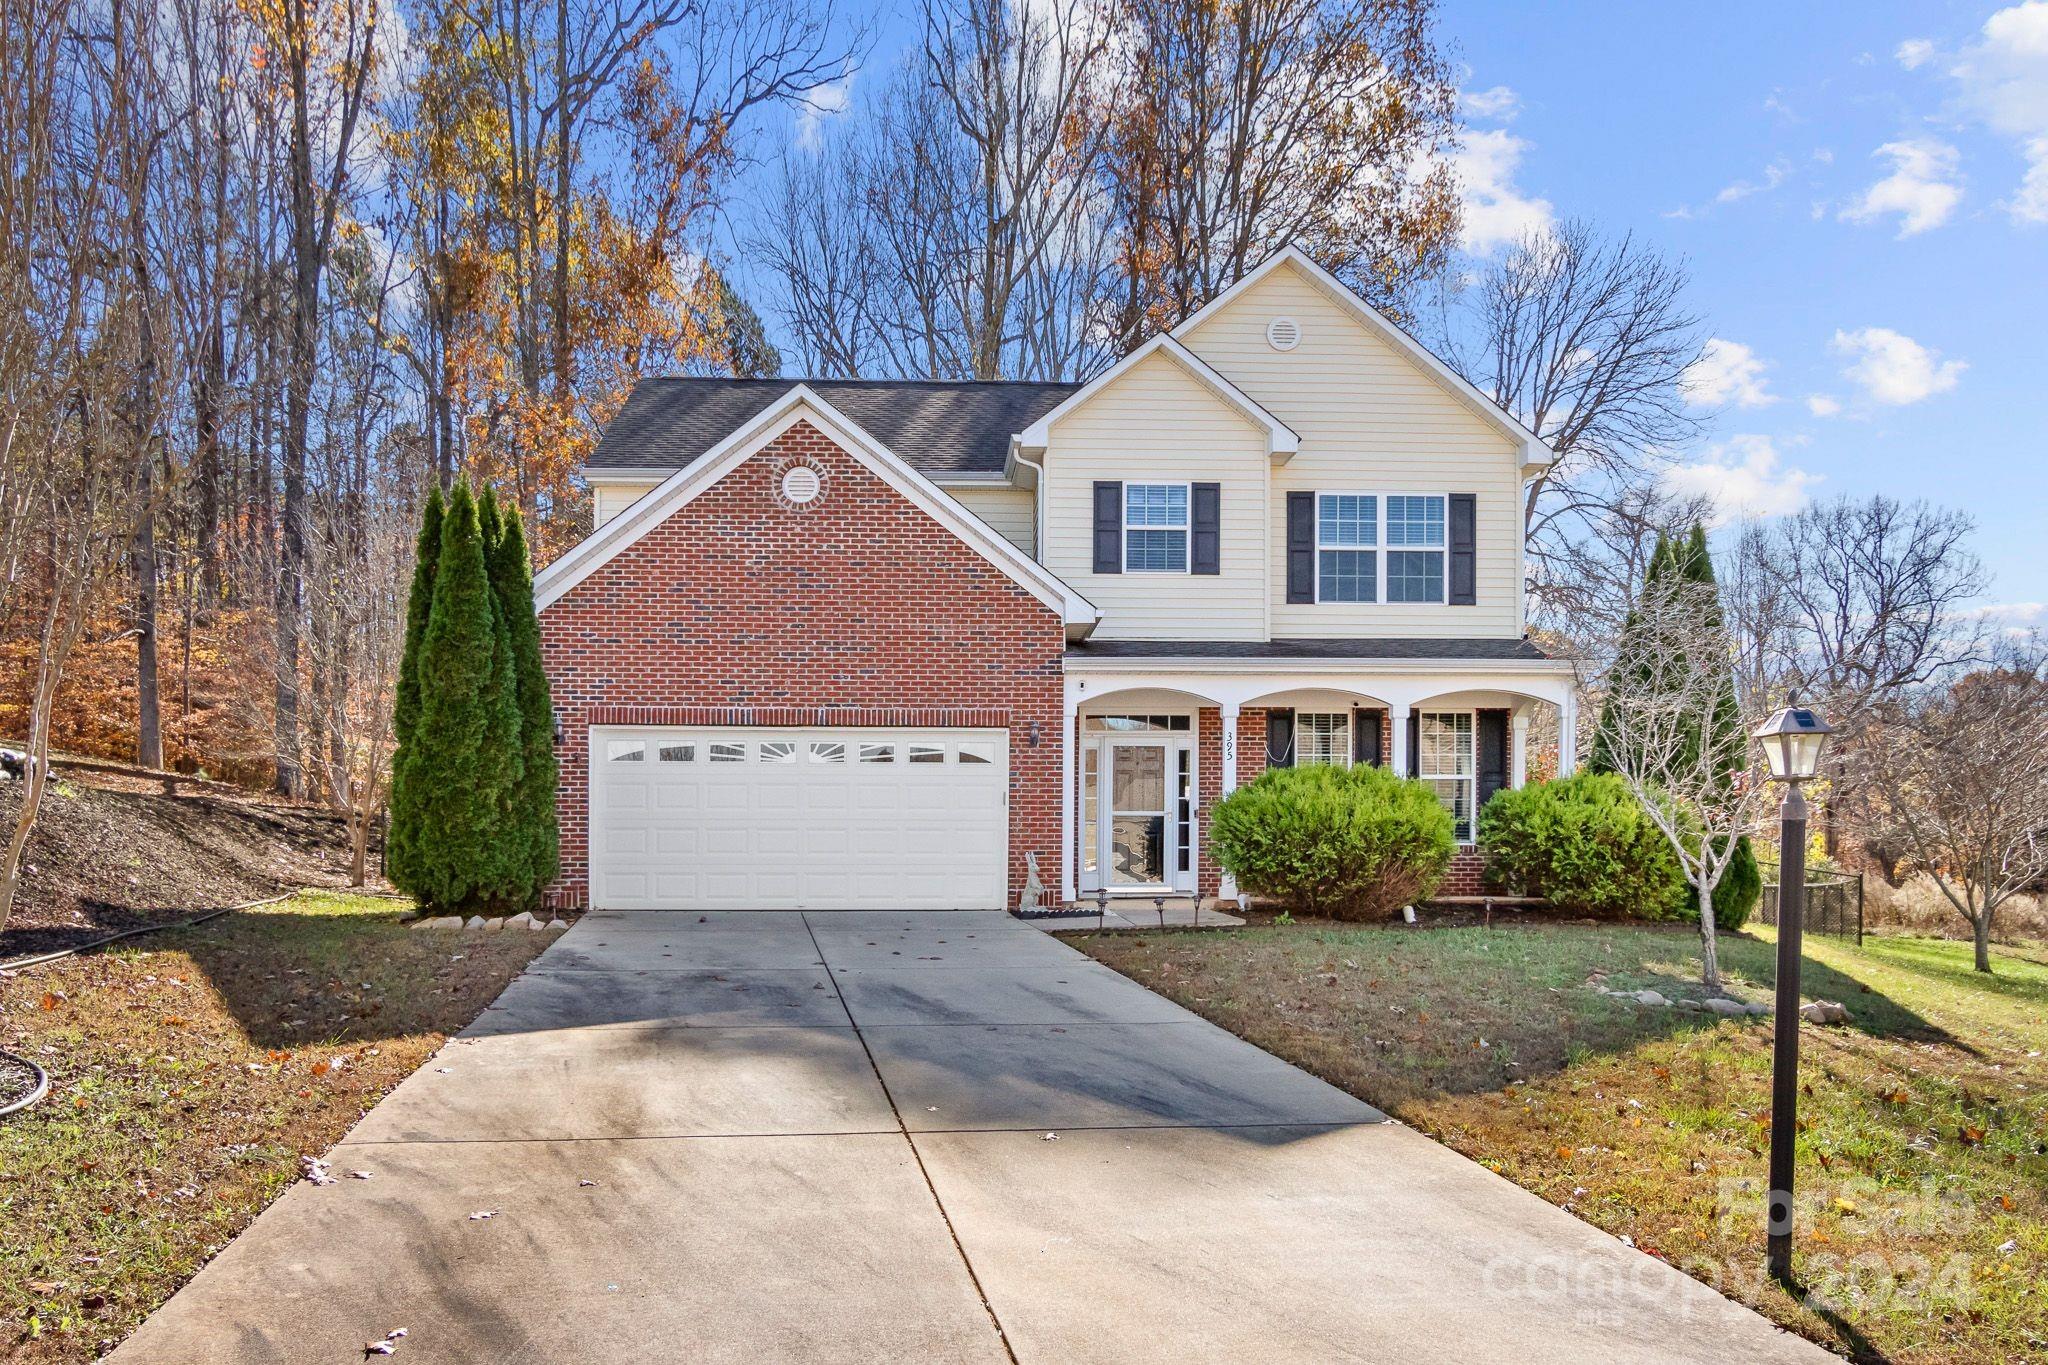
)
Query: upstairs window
[
  {"x": 1380, "y": 549},
  {"x": 1415, "y": 548},
  {"x": 1155, "y": 528},
  {"x": 1347, "y": 537}
]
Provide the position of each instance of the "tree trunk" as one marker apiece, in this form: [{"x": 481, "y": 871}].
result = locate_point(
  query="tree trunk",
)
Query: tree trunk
[
  {"x": 359, "y": 846},
  {"x": 1980, "y": 932},
  {"x": 1710, "y": 952}
]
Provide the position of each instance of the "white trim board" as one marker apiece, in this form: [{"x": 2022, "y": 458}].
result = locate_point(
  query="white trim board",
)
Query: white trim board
[
  {"x": 1281, "y": 441},
  {"x": 801, "y": 403},
  {"x": 1535, "y": 454}
]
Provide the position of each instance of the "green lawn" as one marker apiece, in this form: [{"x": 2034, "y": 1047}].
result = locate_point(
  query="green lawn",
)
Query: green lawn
[
  {"x": 189, "y": 1072},
  {"x": 1923, "y": 1231}
]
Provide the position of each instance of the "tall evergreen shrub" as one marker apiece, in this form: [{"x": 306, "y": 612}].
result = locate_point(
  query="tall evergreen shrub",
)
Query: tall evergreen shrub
[
  {"x": 406, "y": 705},
  {"x": 532, "y": 818}
]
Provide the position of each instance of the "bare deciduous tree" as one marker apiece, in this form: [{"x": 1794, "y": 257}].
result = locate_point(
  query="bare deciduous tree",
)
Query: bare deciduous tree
[
  {"x": 1586, "y": 340},
  {"x": 1958, "y": 777},
  {"x": 1692, "y": 769}
]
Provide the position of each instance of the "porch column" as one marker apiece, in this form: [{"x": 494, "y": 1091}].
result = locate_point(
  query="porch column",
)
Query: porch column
[
  {"x": 1226, "y": 885},
  {"x": 1069, "y": 709},
  {"x": 1568, "y": 734},
  {"x": 1518, "y": 749},
  {"x": 1399, "y": 716},
  {"x": 1229, "y": 750}
]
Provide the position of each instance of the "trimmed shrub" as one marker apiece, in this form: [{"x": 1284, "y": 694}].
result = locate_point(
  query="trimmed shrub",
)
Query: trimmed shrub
[
  {"x": 1353, "y": 843},
  {"x": 1584, "y": 844}
]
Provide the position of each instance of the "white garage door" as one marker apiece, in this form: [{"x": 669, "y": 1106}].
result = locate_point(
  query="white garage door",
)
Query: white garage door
[{"x": 761, "y": 818}]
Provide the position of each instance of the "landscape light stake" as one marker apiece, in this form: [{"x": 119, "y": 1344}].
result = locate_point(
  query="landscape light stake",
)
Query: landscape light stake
[
  {"x": 1101, "y": 908},
  {"x": 1792, "y": 738},
  {"x": 1159, "y": 906}
]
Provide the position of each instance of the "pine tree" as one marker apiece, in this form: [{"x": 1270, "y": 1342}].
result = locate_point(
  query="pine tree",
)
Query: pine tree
[
  {"x": 461, "y": 766},
  {"x": 404, "y": 818},
  {"x": 533, "y": 808}
]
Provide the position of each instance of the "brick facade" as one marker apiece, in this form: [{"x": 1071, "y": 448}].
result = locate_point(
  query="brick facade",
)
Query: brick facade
[{"x": 855, "y": 608}]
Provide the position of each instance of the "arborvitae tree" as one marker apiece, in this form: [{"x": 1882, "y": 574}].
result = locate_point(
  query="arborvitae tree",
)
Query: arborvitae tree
[
  {"x": 1662, "y": 562},
  {"x": 406, "y": 705},
  {"x": 533, "y": 814},
  {"x": 487, "y": 521},
  {"x": 462, "y": 764}
]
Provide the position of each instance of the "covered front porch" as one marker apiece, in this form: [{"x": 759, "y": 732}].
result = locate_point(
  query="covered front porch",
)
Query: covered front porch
[{"x": 1153, "y": 741}]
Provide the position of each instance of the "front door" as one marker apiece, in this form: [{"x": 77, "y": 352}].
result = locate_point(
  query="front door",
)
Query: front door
[{"x": 1141, "y": 823}]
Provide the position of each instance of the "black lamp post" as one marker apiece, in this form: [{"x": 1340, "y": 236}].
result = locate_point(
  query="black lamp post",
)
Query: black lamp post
[{"x": 1792, "y": 738}]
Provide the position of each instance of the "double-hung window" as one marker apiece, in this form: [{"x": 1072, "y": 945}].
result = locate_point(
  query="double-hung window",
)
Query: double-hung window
[
  {"x": 1155, "y": 528},
  {"x": 1415, "y": 548},
  {"x": 1447, "y": 762},
  {"x": 1347, "y": 560},
  {"x": 1374, "y": 549}
]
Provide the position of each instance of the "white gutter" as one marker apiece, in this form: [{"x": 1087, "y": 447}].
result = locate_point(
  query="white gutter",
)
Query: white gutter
[{"x": 1185, "y": 663}]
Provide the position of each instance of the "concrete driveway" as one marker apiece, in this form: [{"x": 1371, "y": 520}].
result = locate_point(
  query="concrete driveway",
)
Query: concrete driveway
[{"x": 928, "y": 1137}]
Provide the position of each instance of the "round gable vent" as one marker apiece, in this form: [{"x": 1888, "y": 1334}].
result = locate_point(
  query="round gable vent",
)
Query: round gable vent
[
  {"x": 801, "y": 485},
  {"x": 1283, "y": 334}
]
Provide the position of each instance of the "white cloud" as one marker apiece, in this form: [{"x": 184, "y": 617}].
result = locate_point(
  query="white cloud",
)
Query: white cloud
[
  {"x": 2002, "y": 81},
  {"x": 819, "y": 103},
  {"x": 1823, "y": 404},
  {"x": 1500, "y": 103},
  {"x": 1923, "y": 189},
  {"x": 1773, "y": 176},
  {"x": 1727, "y": 372},
  {"x": 1743, "y": 477},
  {"x": 1894, "y": 369},
  {"x": 1496, "y": 211},
  {"x": 1914, "y": 53}
]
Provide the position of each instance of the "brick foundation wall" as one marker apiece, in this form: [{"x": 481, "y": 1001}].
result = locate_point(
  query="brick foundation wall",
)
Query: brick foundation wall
[
  {"x": 743, "y": 609},
  {"x": 1464, "y": 878}
]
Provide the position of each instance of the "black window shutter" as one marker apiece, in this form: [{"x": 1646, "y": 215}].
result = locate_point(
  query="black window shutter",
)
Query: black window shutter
[
  {"x": 1206, "y": 519},
  {"x": 1464, "y": 533},
  {"x": 1109, "y": 526},
  {"x": 1414, "y": 744},
  {"x": 1301, "y": 547},
  {"x": 1365, "y": 736},
  {"x": 1279, "y": 739},
  {"x": 1493, "y": 754}
]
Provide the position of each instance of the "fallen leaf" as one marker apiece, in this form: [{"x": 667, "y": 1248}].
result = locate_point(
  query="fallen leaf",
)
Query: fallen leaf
[{"x": 51, "y": 1000}]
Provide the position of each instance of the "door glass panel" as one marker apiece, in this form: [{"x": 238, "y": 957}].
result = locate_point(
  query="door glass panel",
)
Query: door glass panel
[
  {"x": 1090, "y": 811},
  {"x": 1184, "y": 810},
  {"x": 1137, "y": 826}
]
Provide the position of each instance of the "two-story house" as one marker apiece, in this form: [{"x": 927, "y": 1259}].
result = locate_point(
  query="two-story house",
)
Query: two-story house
[{"x": 890, "y": 645}]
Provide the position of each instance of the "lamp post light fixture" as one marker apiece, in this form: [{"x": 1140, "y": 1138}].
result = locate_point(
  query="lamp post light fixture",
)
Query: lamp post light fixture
[{"x": 1792, "y": 738}]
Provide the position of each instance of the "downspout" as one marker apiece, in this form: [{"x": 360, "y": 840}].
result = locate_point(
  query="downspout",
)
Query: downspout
[{"x": 1037, "y": 499}]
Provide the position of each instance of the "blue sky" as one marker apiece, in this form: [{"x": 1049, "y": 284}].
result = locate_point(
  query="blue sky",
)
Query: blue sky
[{"x": 1850, "y": 186}]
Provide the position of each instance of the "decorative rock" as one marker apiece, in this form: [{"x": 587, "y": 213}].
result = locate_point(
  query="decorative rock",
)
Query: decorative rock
[
  {"x": 492, "y": 926},
  {"x": 557, "y": 924},
  {"x": 1692, "y": 1006},
  {"x": 439, "y": 922},
  {"x": 522, "y": 920},
  {"x": 474, "y": 922},
  {"x": 1726, "y": 1008},
  {"x": 1823, "y": 1012},
  {"x": 1651, "y": 998}
]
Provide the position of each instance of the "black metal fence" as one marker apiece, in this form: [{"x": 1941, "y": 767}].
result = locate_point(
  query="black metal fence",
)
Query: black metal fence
[{"x": 1834, "y": 905}]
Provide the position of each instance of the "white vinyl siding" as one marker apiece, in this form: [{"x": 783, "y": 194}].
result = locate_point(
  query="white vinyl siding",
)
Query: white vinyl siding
[
  {"x": 1159, "y": 424},
  {"x": 608, "y": 499},
  {"x": 1368, "y": 418},
  {"x": 1011, "y": 512}
]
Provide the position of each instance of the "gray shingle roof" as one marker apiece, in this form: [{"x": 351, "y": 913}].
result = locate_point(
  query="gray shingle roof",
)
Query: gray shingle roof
[
  {"x": 1484, "y": 651},
  {"x": 936, "y": 427}
]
